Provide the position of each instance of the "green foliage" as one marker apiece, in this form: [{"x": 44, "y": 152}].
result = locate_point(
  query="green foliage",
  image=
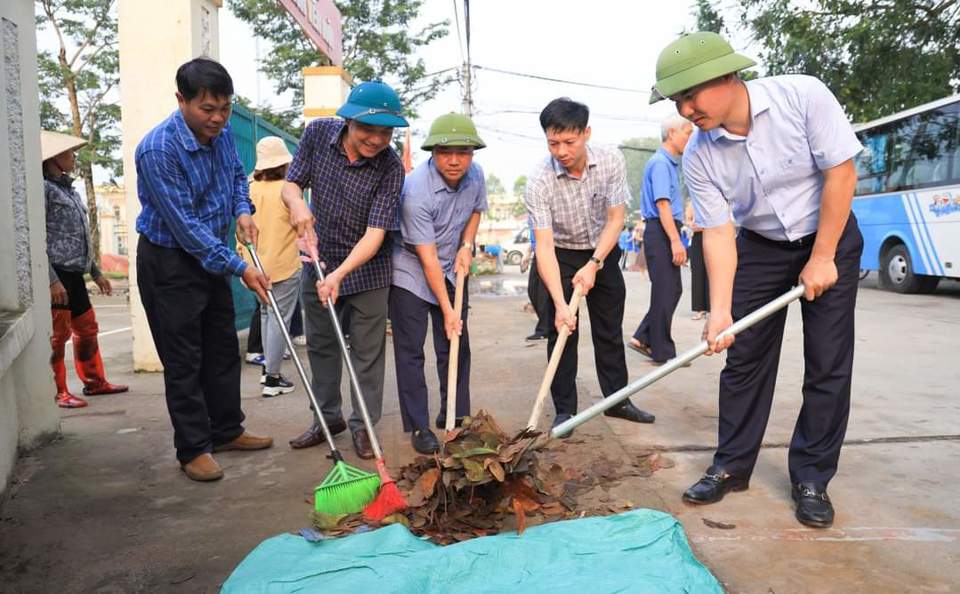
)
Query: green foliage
[
  {"x": 494, "y": 185},
  {"x": 520, "y": 187},
  {"x": 636, "y": 162},
  {"x": 82, "y": 77},
  {"x": 877, "y": 56},
  {"x": 379, "y": 42}
]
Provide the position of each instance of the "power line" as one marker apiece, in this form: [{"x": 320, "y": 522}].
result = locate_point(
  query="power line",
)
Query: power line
[
  {"x": 563, "y": 81},
  {"x": 456, "y": 16}
]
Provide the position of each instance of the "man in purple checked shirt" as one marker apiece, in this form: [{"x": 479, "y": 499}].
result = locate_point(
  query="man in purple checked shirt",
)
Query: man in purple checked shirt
[{"x": 355, "y": 180}]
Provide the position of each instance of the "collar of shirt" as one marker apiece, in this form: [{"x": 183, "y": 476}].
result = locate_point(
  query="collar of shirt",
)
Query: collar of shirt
[
  {"x": 62, "y": 180},
  {"x": 561, "y": 171},
  {"x": 759, "y": 103},
  {"x": 666, "y": 153},
  {"x": 188, "y": 139},
  {"x": 438, "y": 184}
]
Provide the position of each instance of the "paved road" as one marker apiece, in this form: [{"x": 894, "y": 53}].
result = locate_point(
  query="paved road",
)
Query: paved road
[{"x": 105, "y": 509}]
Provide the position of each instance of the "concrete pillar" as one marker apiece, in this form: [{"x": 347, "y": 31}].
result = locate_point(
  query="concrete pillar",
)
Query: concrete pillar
[
  {"x": 155, "y": 39},
  {"x": 325, "y": 88}
]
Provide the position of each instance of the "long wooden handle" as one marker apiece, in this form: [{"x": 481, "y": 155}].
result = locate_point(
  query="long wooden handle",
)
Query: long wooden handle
[
  {"x": 454, "y": 358},
  {"x": 554, "y": 362}
]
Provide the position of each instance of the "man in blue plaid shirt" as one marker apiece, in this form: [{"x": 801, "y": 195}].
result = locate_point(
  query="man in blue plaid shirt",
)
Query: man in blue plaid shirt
[
  {"x": 355, "y": 180},
  {"x": 191, "y": 186}
]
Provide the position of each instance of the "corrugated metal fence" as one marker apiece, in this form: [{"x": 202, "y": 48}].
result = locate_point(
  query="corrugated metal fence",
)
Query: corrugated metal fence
[{"x": 248, "y": 128}]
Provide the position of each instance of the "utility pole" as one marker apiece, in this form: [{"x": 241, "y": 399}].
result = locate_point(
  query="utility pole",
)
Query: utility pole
[{"x": 467, "y": 66}]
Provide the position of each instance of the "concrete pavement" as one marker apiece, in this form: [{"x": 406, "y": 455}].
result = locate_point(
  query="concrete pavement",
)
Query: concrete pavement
[{"x": 106, "y": 509}]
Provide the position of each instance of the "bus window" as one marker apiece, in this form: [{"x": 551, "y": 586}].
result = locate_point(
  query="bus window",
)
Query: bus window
[{"x": 872, "y": 164}]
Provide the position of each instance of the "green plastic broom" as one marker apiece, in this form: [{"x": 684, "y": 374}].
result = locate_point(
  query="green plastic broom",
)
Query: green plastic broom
[{"x": 346, "y": 489}]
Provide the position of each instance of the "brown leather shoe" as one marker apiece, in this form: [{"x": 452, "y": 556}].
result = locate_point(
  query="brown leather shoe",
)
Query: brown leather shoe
[
  {"x": 203, "y": 468},
  {"x": 247, "y": 441},
  {"x": 361, "y": 443},
  {"x": 314, "y": 435}
]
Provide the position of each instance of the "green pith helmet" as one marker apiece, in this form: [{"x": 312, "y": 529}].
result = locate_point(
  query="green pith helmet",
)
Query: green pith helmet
[
  {"x": 452, "y": 129},
  {"x": 692, "y": 60}
]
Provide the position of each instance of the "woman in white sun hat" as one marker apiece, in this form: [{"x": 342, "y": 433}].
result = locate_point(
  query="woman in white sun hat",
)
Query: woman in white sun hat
[
  {"x": 278, "y": 252},
  {"x": 70, "y": 253}
]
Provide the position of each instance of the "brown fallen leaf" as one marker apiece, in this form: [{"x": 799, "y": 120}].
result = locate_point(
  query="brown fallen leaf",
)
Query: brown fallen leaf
[
  {"x": 718, "y": 525},
  {"x": 427, "y": 481}
]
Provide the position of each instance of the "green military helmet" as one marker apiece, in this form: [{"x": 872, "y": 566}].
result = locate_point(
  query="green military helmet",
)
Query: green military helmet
[
  {"x": 453, "y": 129},
  {"x": 692, "y": 60}
]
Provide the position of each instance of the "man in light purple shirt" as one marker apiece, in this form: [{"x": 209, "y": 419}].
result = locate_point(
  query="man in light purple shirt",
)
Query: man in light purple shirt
[
  {"x": 776, "y": 153},
  {"x": 439, "y": 215}
]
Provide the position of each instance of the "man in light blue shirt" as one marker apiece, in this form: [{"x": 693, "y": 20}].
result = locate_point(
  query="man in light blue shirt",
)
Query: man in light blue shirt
[
  {"x": 662, "y": 209},
  {"x": 439, "y": 215},
  {"x": 776, "y": 153}
]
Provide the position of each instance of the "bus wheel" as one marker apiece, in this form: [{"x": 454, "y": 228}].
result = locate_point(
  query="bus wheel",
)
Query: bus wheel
[{"x": 896, "y": 273}]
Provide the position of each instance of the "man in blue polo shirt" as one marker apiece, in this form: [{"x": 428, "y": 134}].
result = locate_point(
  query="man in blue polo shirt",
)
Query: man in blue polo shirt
[
  {"x": 777, "y": 152},
  {"x": 662, "y": 209},
  {"x": 439, "y": 216},
  {"x": 191, "y": 185}
]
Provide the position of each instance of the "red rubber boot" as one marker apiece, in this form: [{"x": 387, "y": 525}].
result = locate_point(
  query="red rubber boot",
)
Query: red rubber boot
[
  {"x": 61, "y": 333},
  {"x": 86, "y": 356}
]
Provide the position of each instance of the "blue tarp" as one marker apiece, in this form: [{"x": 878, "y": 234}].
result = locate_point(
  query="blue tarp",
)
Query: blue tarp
[{"x": 637, "y": 551}]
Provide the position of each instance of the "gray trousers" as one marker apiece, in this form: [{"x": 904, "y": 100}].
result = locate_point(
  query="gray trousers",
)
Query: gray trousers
[
  {"x": 367, "y": 315},
  {"x": 286, "y": 293}
]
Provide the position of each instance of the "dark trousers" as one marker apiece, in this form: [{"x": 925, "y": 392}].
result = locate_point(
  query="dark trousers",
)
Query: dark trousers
[
  {"x": 765, "y": 270},
  {"x": 190, "y": 313},
  {"x": 78, "y": 299},
  {"x": 699, "y": 284},
  {"x": 605, "y": 307},
  {"x": 254, "y": 336},
  {"x": 408, "y": 317},
  {"x": 540, "y": 298},
  {"x": 665, "y": 291},
  {"x": 366, "y": 313}
]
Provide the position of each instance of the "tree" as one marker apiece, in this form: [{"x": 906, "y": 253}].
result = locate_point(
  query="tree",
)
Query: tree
[
  {"x": 85, "y": 70},
  {"x": 636, "y": 152},
  {"x": 877, "y": 56},
  {"x": 283, "y": 119},
  {"x": 520, "y": 186},
  {"x": 494, "y": 185},
  {"x": 379, "y": 42}
]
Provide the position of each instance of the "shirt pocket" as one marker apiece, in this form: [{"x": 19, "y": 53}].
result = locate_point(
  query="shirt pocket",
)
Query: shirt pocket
[{"x": 795, "y": 166}]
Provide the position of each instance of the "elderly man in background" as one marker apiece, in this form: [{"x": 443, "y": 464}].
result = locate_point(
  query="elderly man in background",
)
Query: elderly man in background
[{"x": 662, "y": 209}]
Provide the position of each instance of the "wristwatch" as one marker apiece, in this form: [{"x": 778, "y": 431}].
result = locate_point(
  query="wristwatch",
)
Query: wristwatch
[
  {"x": 597, "y": 261},
  {"x": 468, "y": 245}
]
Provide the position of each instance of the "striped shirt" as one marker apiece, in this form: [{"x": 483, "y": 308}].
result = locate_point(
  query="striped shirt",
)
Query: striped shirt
[
  {"x": 191, "y": 193},
  {"x": 576, "y": 209},
  {"x": 347, "y": 198}
]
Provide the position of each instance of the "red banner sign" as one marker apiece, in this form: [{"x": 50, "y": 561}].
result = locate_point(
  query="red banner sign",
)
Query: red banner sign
[{"x": 320, "y": 20}]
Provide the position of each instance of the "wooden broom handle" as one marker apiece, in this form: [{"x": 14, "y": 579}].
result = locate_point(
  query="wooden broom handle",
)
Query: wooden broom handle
[
  {"x": 454, "y": 358},
  {"x": 573, "y": 306}
]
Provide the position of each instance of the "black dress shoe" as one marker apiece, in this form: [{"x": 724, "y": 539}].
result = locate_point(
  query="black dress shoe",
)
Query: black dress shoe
[
  {"x": 713, "y": 486},
  {"x": 424, "y": 441},
  {"x": 314, "y": 435},
  {"x": 561, "y": 418},
  {"x": 361, "y": 444},
  {"x": 441, "y": 421},
  {"x": 813, "y": 505},
  {"x": 628, "y": 411}
]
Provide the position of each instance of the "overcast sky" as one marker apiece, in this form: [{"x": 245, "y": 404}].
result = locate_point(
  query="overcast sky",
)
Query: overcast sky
[{"x": 604, "y": 42}]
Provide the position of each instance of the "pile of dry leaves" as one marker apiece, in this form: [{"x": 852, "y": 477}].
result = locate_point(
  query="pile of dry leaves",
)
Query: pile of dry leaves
[
  {"x": 480, "y": 483},
  {"x": 483, "y": 482}
]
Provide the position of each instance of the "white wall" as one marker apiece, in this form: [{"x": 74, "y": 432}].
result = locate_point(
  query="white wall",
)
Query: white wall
[
  {"x": 28, "y": 414},
  {"x": 155, "y": 39}
]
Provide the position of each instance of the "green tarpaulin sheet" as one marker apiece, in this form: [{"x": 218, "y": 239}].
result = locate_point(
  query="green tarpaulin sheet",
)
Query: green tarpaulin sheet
[{"x": 637, "y": 551}]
